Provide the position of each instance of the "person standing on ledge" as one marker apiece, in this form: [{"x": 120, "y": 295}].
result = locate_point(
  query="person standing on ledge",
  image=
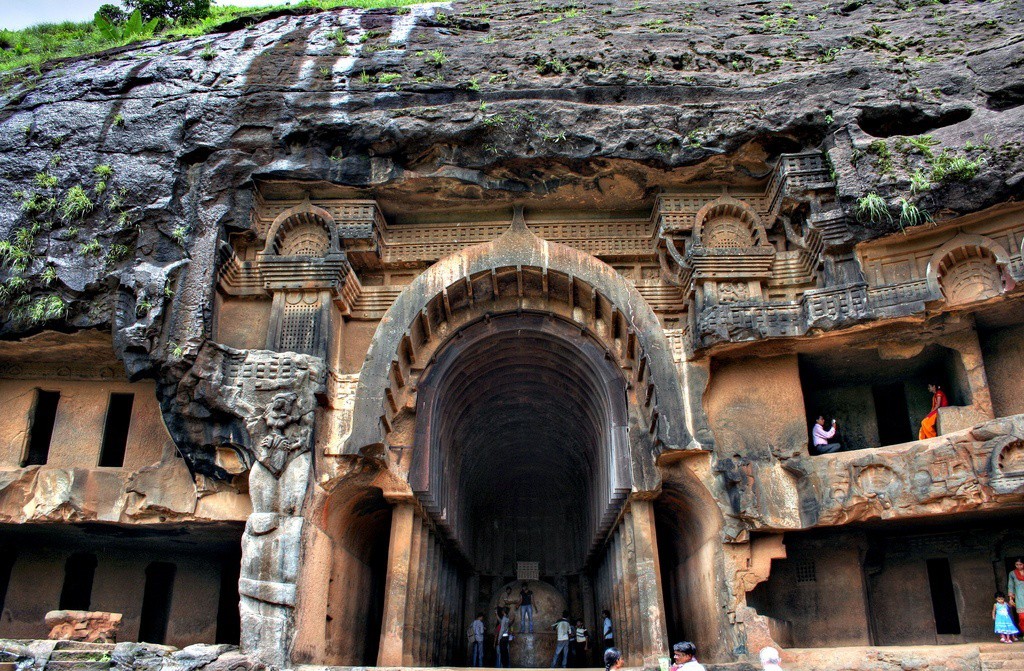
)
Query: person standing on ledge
[
  {"x": 525, "y": 608},
  {"x": 820, "y": 437},
  {"x": 580, "y": 644},
  {"x": 939, "y": 400}
]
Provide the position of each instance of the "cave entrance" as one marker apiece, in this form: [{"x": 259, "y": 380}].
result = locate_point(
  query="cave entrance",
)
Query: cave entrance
[
  {"x": 513, "y": 403},
  {"x": 522, "y": 465}
]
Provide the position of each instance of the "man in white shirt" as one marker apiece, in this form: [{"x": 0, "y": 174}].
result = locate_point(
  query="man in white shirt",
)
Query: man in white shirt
[
  {"x": 685, "y": 657},
  {"x": 562, "y": 629},
  {"x": 608, "y": 633},
  {"x": 820, "y": 437}
]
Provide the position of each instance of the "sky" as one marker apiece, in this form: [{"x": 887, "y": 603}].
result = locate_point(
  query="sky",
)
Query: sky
[{"x": 16, "y": 14}]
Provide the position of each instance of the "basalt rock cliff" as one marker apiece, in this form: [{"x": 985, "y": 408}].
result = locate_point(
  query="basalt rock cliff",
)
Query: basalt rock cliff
[{"x": 124, "y": 171}]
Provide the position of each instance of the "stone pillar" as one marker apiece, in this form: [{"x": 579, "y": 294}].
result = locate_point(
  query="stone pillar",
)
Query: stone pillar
[
  {"x": 435, "y": 597},
  {"x": 967, "y": 345},
  {"x": 408, "y": 634},
  {"x": 427, "y": 615},
  {"x": 396, "y": 587},
  {"x": 471, "y": 598},
  {"x": 651, "y": 596},
  {"x": 629, "y": 582},
  {"x": 619, "y": 612}
]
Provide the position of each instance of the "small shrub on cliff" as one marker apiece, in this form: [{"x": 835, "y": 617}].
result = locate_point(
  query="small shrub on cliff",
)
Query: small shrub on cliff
[
  {"x": 947, "y": 166},
  {"x": 45, "y": 180},
  {"x": 873, "y": 208},
  {"x": 912, "y": 215},
  {"x": 76, "y": 204},
  {"x": 46, "y": 308}
]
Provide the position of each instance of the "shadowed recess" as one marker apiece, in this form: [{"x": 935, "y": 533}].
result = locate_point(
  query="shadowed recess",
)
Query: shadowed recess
[{"x": 523, "y": 451}]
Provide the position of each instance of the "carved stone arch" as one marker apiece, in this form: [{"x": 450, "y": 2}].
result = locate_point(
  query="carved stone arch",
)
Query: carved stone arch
[
  {"x": 303, "y": 230},
  {"x": 967, "y": 269},
  {"x": 729, "y": 222},
  {"x": 516, "y": 272}
]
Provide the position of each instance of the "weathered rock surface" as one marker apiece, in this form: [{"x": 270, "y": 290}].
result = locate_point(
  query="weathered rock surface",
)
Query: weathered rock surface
[
  {"x": 585, "y": 102},
  {"x": 83, "y": 625}
]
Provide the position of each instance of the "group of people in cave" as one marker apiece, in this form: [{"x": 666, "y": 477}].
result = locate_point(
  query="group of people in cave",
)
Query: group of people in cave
[
  {"x": 822, "y": 439},
  {"x": 573, "y": 641}
]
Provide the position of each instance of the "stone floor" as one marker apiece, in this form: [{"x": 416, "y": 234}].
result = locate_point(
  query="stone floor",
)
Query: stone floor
[{"x": 72, "y": 656}]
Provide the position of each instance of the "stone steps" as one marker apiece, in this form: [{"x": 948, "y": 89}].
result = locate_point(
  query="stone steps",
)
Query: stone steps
[
  {"x": 1002, "y": 657},
  {"x": 77, "y": 656}
]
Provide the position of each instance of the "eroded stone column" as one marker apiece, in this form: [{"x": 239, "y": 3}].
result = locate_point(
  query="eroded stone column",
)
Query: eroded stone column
[
  {"x": 619, "y": 613},
  {"x": 419, "y": 610},
  {"x": 651, "y": 597},
  {"x": 629, "y": 586},
  {"x": 408, "y": 633},
  {"x": 396, "y": 587}
]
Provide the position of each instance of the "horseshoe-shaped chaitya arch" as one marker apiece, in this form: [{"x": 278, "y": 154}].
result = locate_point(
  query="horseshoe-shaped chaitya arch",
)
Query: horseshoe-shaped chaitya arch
[{"x": 516, "y": 272}]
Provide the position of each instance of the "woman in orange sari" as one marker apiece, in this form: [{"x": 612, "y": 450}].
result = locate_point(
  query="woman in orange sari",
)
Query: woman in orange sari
[{"x": 939, "y": 400}]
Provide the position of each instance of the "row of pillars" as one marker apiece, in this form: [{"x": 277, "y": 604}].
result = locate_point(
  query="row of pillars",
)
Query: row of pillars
[
  {"x": 423, "y": 596},
  {"x": 628, "y": 583}
]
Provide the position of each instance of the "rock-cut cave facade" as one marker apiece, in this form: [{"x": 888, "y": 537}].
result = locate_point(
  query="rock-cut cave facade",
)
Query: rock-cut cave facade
[{"x": 351, "y": 362}]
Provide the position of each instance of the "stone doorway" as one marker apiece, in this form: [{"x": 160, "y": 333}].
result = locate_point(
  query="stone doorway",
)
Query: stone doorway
[
  {"x": 512, "y": 408},
  {"x": 522, "y": 454}
]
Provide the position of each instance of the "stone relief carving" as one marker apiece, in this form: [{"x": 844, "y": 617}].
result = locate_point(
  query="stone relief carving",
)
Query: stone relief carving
[
  {"x": 274, "y": 395},
  {"x": 732, "y": 292},
  {"x": 970, "y": 280},
  {"x": 969, "y": 470}
]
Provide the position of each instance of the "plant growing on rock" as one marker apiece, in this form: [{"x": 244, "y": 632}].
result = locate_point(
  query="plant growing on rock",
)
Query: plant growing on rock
[
  {"x": 180, "y": 234},
  {"x": 44, "y": 309},
  {"x": 45, "y": 180},
  {"x": 873, "y": 208},
  {"x": 91, "y": 248},
  {"x": 947, "y": 166},
  {"x": 76, "y": 204},
  {"x": 912, "y": 215},
  {"x": 919, "y": 183}
]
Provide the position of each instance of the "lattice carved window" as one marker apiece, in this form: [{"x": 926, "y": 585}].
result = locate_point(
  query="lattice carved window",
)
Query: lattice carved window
[
  {"x": 727, "y": 232},
  {"x": 968, "y": 275},
  {"x": 305, "y": 240},
  {"x": 299, "y": 322},
  {"x": 805, "y": 570}
]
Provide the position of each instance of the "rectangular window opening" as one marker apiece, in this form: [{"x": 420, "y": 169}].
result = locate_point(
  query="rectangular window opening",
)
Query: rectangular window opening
[
  {"x": 156, "y": 602},
  {"x": 40, "y": 432},
  {"x": 115, "y": 430},
  {"x": 6, "y": 567},
  {"x": 79, "y": 571},
  {"x": 940, "y": 584},
  {"x": 228, "y": 620}
]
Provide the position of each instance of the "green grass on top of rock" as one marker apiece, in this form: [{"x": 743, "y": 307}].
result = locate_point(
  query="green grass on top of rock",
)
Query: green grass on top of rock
[{"x": 36, "y": 45}]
